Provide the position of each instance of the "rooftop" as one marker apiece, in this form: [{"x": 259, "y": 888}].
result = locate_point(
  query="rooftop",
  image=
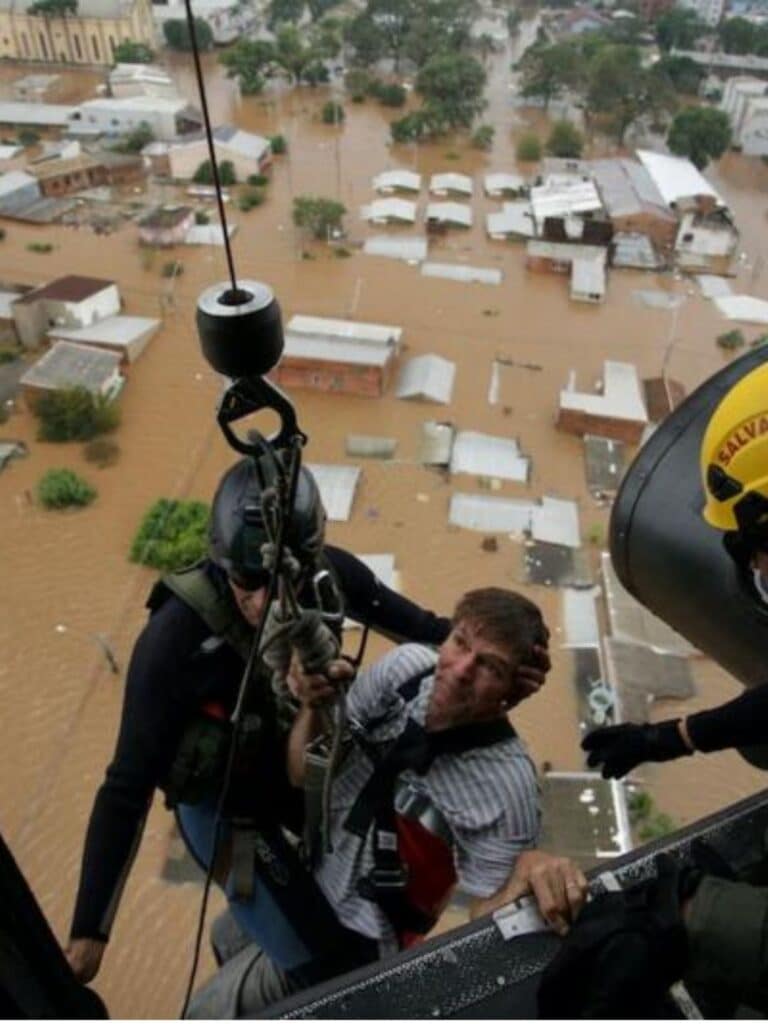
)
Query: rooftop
[
  {"x": 112, "y": 330},
  {"x": 427, "y": 377},
  {"x": 165, "y": 217},
  {"x": 621, "y": 398},
  {"x": 408, "y": 181},
  {"x": 676, "y": 178},
  {"x": 71, "y": 288},
  {"x": 66, "y": 365}
]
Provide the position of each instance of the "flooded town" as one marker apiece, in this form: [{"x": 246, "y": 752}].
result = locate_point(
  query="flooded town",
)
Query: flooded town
[{"x": 477, "y": 344}]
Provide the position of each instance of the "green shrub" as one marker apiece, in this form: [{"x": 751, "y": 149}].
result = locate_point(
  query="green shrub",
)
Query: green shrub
[
  {"x": 528, "y": 148},
  {"x": 201, "y": 217},
  {"x": 646, "y": 820},
  {"x": 28, "y": 137},
  {"x": 75, "y": 414},
  {"x": 204, "y": 173},
  {"x": 258, "y": 179},
  {"x": 172, "y": 268},
  {"x": 61, "y": 488},
  {"x": 483, "y": 137},
  {"x": 391, "y": 94},
  {"x": 40, "y": 247},
  {"x": 358, "y": 84},
  {"x": 250, "y": 198},
  {"x": 333, "y": 113},
  {"x": 731, "y": 340},
  {"x": 173, "y": 534},
  {"x": 278, "y": 144},
  {"x": 2, "y": 234},
  {"x": 102, "y": 452},
  {"x": 9, "y": 353}
]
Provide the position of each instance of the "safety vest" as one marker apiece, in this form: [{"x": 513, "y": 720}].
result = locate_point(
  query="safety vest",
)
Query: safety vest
[{"x": 413, "y": 873}]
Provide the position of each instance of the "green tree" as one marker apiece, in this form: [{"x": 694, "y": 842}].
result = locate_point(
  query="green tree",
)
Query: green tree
[
  {"x": 319, "y": 216},
  {"x": 452, "y": 85},
  {"x": 684, "y": 74},
  {"x": 391, "y": 94},
  {"x": 130, "y": 52},
  {"x": 621, "y": 90},
  {"x": 75, "y": 414},
  {"x": 250, "y": 198},
  {"x": 204, "y": 173},
  {"x": 679, "y": 28},
  {"x": 332, "y": 112},
  {"x": 731, "y": 340},
  {"x": 28, "y": 137},
  {"x": 357, "y": 83},
  {"x": 278, "y": 144},
  {"x": 294, "y": 52},
  {"x": 565, "y": 140},
  {"x": 393, "y": 19},
  {"x": 177, "y": 36},
  {"x": 362, "y": 34},
  {"x": 737, "y": 35},
  {"x": 548, "y": 70},
  {"x": 136, "y": 140},
  {"x": 172, "y": 535},
  {"x": 249, "y": 61},
  {"x": 284, "y": 12},
  {"x": 61, "y": 488},
  {"x": 319, "y": 8},
  {"x": 528, "y": 148},
  {"x": 700, "y": 133},
  {"x": 414, "y": 127},
  {"x": 483, "y": 137}
]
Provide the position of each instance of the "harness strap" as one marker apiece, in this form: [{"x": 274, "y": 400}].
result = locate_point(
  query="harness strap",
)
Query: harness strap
[{"x": 217, "y": 610}]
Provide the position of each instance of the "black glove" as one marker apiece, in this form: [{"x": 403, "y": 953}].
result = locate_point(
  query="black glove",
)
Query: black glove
[
  {"x": 617, "y": 749},
  {"x": 621, "y": 955}
]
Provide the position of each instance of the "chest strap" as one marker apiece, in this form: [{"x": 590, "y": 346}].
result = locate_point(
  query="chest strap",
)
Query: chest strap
[{"x": 214, "y": 606}]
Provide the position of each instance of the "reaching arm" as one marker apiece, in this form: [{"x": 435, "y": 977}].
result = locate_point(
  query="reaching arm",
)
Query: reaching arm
[{"x": 313, "y": 691}]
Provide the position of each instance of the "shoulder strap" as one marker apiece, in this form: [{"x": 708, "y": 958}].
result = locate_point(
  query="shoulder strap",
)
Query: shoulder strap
[{"x": 197, "y": 590}]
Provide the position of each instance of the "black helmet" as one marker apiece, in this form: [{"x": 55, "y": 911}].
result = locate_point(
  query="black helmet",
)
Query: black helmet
[{"x": 237, "y": 531}]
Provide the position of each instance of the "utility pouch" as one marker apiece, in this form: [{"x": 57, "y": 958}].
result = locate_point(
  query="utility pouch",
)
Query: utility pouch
[{"x": 198, "y": 768}]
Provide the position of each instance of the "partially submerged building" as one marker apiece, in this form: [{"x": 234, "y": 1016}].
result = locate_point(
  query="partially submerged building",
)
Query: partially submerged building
[
  {"x": 70, "y": 301},
  {"x": 498, "y": 185},
  {"x": 483, "y": 455},
  {"x": 633, "y": 202},
  {"x": 427, "y": 378},
  {"x": 551, "y": 520},
  {"x": 450, "y": 184},
  {"x": 445, "y": 215},
  {"x": 167, "y": 117},
  {"x": 681, "y": 185},
  {"x": 141, "y": 80},
  {"x": 514, "y": 222},
  {"x": 389, "y": 211},
  {"x": 166, "y": 225},
  {"x": 127, "y": 336},
  {"x": 67, "y": 366},
  {"x": 569, "y": 209},
  {"x": 247, "y": 152},
  {"x": 585, "y": 263},
  {"x": 745, "y": 101},
  {"x": 618, "y": 412},
  {"x": 397, "y": 181},
  {"x": 338, "y": 355}
]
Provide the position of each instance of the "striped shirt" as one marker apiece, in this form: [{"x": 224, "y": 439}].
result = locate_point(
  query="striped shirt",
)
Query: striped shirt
[{"x": 488, "y": 796}]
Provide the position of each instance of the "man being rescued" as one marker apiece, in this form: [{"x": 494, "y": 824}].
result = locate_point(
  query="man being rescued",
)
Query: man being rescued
[{"x": 435, "y": 789}]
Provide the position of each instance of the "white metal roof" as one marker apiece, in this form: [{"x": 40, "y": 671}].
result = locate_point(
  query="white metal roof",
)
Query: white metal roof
[
  {"x": 713, "y": 287},
  {"x": 567, "y": 252},
  {"x": 346, "y": 330},
  {"x": 112, "y": 330},
  {"x": 6, "y": 302},
  {"x": 588, "y": 277},
  {"x": 745, "y": 308},
  {"x": 553, "y": 521},
  {"x": 461, "y": 272},
  {"x": 564, "y": 199},
  {"x": 440, "y": 184},
  {"x": 622, "y": 396},
  {"x": 370, "y": 446},
  {"x": 580, "y": 626},
  {"x": 485, "y": 455},
  {"x": 9, "y": 152},
  {"x": 245, "y": 144},
  {"x": 337, "y": 488},
  {"x": 436, "y": 443},
  {"x": 408, "y": 181},
  {"x": 497, "y": 184},
  {"x": 450, "y": 213},
  {"x": 514, "y": 219},
  {"x": 412, "y": 250},
  {"x": 335, "y": 350},
  {"x": 389, "y": 209},
  {"x": 429, "y": 377},
  {"x": 66, "y": 365},
  {"x": 11, "y": 181},
  {"x": 676, "y": 178},
  {"x": 18, "y": 113},
  {"x": 151, "y": 104},
  {"x": 208, "y": 234}
]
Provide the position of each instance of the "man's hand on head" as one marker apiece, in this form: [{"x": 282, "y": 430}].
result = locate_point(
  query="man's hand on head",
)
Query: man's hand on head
[
  {"x": 532, "y": 675},
  {"x": 314, "y": 690}
]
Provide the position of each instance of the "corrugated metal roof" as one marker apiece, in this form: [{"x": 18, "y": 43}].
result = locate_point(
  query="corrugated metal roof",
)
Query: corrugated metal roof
[
  {"x": 112, "y": 330},
  {"x": 485, "y": 455},
  {"x": 412, "y": 250},
  {"x": 429, "y": 377},
  {"x": 713, "y": 287},
  {"x": 553, "y": 520},
  {"x": 345, "y": 330},
  {"x": 627, "y": 188},
  {"x": 12, "y": 181},
  {"x": 6, "y": 302},
  {"x": 337, "y": 488},
  {"x": 439, "y": 184},
  {"x": 630, "y": 621},
  {"x": 622, "y": 396},
  {"x": 564, "y": 199},
  {"x": 461, "y": 272},
  {"x": 389, "y": 209},
  {"x": 450, "y": 213},
  {"x": 588, "y": 278},
  {"x": 498, "y": 184},
  {"x": 584, "y": 817},
  {"x": 367, "y": 446},
  {"x": 331, "y": 350},
  {"x": 57, "y": 114},
  {"x": 745, "y": 308},
  {"x": 246, "y": 144},
  {"x": 436, "y": 443},
  {"x": 208, "y": 234},
  {"x": 580, "y": 626},
  {"x": 408, "y": 181},
  {"x": 634, "y": 250},
  {"x": 676, "y": 178},
  {"x": 514, "y": 219},
  {"x": 604, "y": 463},
  {"x": 566, "y": 252},
  {"x": 66, "y": 365}
]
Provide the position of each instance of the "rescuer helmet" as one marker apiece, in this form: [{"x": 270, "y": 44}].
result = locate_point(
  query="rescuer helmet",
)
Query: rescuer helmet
[
  {"x": 237, "y": 531},
  {"x": 734, "y": 460}
]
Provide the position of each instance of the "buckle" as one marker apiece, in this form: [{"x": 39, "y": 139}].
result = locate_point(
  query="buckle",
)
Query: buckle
[{"x": 388, "y": 879}]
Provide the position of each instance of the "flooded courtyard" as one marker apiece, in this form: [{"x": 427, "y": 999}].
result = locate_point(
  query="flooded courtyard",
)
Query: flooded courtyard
[{"x": 61, "y": 702}]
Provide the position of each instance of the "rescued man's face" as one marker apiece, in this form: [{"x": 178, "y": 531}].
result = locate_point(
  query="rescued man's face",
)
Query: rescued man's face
[
  {"x": 474, "y": 678},
  {"x": 250, "y": 602}
]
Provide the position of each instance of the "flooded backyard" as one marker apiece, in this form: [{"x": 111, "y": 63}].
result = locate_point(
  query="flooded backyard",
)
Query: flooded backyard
[{"x": 61, "y": 702}]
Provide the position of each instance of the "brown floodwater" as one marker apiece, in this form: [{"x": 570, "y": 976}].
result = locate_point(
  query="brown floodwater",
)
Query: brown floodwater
[{"x": 61, "y": 704}]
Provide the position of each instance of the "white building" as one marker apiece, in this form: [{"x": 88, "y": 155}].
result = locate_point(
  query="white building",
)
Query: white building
[
  {"x": 247, "y": 152},
  {"x": 443, "y": 184},
  {"x": 68, "y": 366},
  {"x": 745, "y": 101},
  {"x": 449, "y": 215},
  {"x": 71, "y": 301},
  {"x": 617, "y": 411},
  {"x": 568, "y": 198},
  {"x": 389, "y": 211},
  {"x": 680, "y": 183},
  {"x": 168, "y": 118},
  {"x": 397, "y": 181},
  {"x": 141, "y": 80},
  {"x": 709, "y": 11}
]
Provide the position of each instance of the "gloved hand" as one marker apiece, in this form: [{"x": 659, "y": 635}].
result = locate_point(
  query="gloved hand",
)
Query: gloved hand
[
  {"x": 617, "y": 749},
  {"x": 621, "y": 955}
]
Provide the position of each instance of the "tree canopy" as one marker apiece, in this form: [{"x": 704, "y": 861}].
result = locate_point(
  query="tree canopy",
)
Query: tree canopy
[
  {"x": 679, "y": 28},
  {"x": 619, "y": 89},
  {"x": 452, "y": 86},
  {"x": 565, "y": 140},
  {"x": 172, "y": 535},
  {"x": 700, "y": 133},
  {"x": 317, "y": 215},
  {"x": 130, "y": 52},
  {"x": 177, "y": 35},
  {"x": 737, "y": 35},
  {"x": 548, "y": 70},
  {"x": 62, "y": 488},
  {"x": 249, "y": 60},
  {"x": 684, "y": 74},
  {"x": 416, "y": 29},
  {"x": 75, "y": 414}
]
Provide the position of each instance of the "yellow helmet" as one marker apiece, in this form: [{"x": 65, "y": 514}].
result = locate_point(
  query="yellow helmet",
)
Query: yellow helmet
[{"x": 734, "y": 457}]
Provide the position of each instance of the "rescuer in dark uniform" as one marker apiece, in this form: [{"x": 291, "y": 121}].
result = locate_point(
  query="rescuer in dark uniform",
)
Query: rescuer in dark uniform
[{"x": 181, "y": 688}]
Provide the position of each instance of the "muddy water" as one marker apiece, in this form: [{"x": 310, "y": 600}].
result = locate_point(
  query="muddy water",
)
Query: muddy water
[{"x": 61, "y": 704}]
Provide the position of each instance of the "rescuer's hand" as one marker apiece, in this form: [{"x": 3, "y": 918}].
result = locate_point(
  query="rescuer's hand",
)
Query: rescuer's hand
[
  {"x": 314, "y": 690},
  {"x": 617, "y": 749},
  {"x": 556, "y": 883},
  {"x": 84, "y": 957}
]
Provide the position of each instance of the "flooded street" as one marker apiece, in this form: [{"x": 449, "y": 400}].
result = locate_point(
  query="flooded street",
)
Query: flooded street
[{"x": 61, "y": 703}]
